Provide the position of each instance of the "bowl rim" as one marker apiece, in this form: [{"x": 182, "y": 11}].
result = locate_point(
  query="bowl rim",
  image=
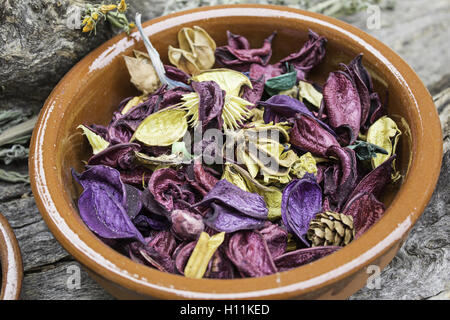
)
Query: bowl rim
[
  {"x": 415, "y": 192},
  {"x": 11, "y": 262}
]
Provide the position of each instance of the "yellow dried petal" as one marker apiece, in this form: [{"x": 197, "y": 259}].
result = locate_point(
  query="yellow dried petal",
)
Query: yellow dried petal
[
  {"x": 308, "y": 92},
  {"x": 229, "y": 80},
  {"x": 183, "y": 60},
  {"x": 305, "y": 163},
  {"x": 384, "y": 133},
  {"x": 122, "y": 7},
  {"x": 132, "y": 103},
  {"x": 162, "y": 128},
  {"x": 202, "y": 254},
  {"x": 97, "y": 142}
]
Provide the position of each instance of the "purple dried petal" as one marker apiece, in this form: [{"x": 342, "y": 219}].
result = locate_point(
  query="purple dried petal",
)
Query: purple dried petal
[
  {"x": 149, "y": 221},
  {"x": 165, "y": 185},
  {"x": 133, "y": 203},
  {"x": 186, "y": 225},
  {"x": 365, "y": 210},
  {"x": 163, "y": 241},
  {"x": 309, "y": 56},
  {"x": 266, "y": 72},
  {"x": 238, "y": 55},
  {"x": 228, "y": 194},
  {"x": 308, "y": 135},
  {"x": 254, "y": 94},
  {"x": 276, "y": 238},
  {"x": 340, "y": 180},
  {"x": 375, "y": 181},
  {"x": 220, "y": 267},
  {"x": 249, "y": 253},
  {"x": 136, "y": 177},
  {"x": 224, "y": 218},
  {"x": 183, "y": 255},
  {"x": 102, "y": 205},
  {"x": 301, "y": 257},
  {"x": 119, "y": 156},
  {"x": 211, "y": 102},
  {"x": 281, "y": 107},
  {"x": 176, "y": 74},
  {"x": 343, "y": 106},
  {"x": 301, "y": 201}
]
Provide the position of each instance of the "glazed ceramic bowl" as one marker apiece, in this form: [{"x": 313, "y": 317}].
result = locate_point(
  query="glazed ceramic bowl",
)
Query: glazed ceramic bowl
[
  {"x": 91, "y": 91},
  {"x": 11, "y": 262}
]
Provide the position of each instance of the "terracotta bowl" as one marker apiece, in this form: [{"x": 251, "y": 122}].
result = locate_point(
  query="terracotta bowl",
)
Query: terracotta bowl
[
  {"x": 11, "y": 262},
  {"x": 91, "y": 91}
]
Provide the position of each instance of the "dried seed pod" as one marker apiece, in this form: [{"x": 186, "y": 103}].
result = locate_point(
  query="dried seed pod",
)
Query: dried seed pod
[{"x": 331, "y": 229}]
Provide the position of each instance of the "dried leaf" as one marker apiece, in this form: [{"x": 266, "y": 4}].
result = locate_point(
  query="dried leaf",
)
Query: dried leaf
[
  {"x": 202, "y": 254},
  {"x": 142, "y": 73},
  {"x": 309, "y": 93},
  {"x": 162, "y": 128},
  {"x": 96, "y": 141}
]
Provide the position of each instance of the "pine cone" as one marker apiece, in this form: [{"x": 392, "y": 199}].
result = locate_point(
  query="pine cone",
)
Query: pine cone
[{"x": 331, "y": 229}]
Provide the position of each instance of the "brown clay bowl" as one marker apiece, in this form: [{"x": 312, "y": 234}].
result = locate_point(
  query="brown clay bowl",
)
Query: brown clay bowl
[
  {"x": 11, "y": 262},
  {"x": 91, "y": 91}
]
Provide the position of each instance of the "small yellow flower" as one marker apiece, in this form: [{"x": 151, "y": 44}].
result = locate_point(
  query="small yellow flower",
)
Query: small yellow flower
[
  {"x": 131, "y": 25},
  {"x": 122, "y": 6},
  {"x": 89, "y": 24},
  {"x": 104, "y": 8},
  {"x": 94, "y": 15}
]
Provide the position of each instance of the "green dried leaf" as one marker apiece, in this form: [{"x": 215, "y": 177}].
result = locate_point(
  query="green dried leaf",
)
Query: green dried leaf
[
  {"x": 305, "y": 164},
  {"x": 365, "y": 150},
  {"x": 283, "y": 82},
  {"x": 162, "y": 128}
]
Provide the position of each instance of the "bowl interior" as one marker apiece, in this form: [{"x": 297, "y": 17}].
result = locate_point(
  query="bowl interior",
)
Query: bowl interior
[{"x": 100, "y": 82}]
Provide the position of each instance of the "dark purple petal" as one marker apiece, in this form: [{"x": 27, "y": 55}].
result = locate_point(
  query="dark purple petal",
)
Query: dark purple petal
[
  {"x": 229, "y": 195},
  {"x": 365, "y": 210},
  {"x": 309, "y": 56},
  {"x": 136, "y": 176},
  {"x": 301, "y": 201},
  {"x": 249, "y": 253},
  {"x": 266, "y": 72},
  {"x": 163, "y": 241},
  {"x": 119, "y": 156},
  {"x": 340, "y": 179},
  {"x": 220, "y": 267},
  {"x": 300, "y": 257},
  {"x": 343, "y": 106},
  {"x": 165, "y": 185},
  {"x": 133, "y": 203},
  {"x": 176, "y": 74},
  {"x": 182, "y": 255},
  {"x": 238, "y": 55},
  {"x": 308, "y": 135},
  {"x": 276, "y": 238},
  {"x": 254, "y": 94},
  {"x": 281, "y": 107},
  {"x": 211, "y": 102},
  {"x": 149, "y": 221},
  {"x": 375, "y": 181}
]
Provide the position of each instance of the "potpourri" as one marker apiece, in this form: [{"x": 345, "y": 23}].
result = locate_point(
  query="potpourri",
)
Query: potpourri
[{"x": 228, "y": 166}]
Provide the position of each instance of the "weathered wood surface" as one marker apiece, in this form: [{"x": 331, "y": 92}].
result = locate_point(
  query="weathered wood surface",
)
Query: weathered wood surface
[{"x": 419, "y": 31}]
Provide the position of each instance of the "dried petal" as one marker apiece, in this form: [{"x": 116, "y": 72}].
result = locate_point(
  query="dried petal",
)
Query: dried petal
[
  {"x": 202, "y": 254},
  {"x": 308, "y": 92},
  {"x": 162, "y": 128},
  {"x": 343, "y": 106},
  {"x": 385, "y": 134},
  {"x": 365, "y": 210},
  {"x": 301, "y": 257},
  {"x": 186, "y": 225},
  {"x": 96, "y": 141},
  {"x": 142, "y": 72},
  {"x": 103, "y": 203},
  {"x": 302, "y": 200},
  {"x": 276, "y": 238},
  {"x": 282, "y": 82},
  {"x": 119, "y": 156},
  {"x": 249, "y": 253}
]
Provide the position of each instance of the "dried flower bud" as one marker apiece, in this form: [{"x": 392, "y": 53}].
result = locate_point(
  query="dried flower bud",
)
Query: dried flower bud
[{"x": 186, "y": 225}]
